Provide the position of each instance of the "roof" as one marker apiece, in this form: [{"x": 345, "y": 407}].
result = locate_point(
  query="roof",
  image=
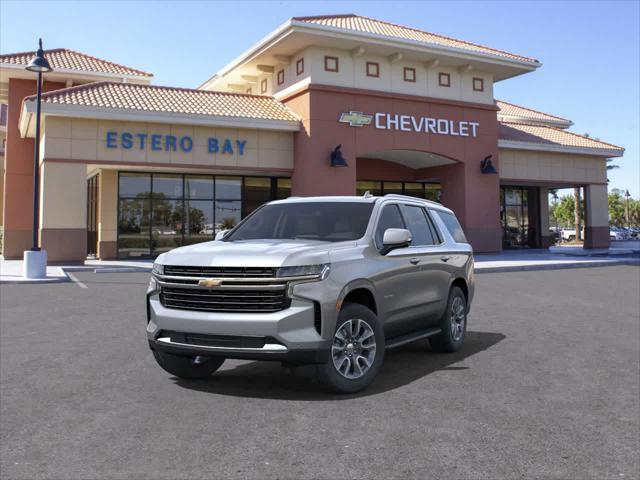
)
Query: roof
[
  {"x": 362, "y": 24},
  {"x": 551, "y": 138},
  {"x": 152, "y": 98},
  {"x": 512, "y": 112},
  {"x": 65, "y": 59}
]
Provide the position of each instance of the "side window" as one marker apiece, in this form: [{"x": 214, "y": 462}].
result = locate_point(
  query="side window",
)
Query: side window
[
  {"x": 389, "y": 218},
  {"x": 416, "y": 219},
  {"x": 452, "y": 224}
]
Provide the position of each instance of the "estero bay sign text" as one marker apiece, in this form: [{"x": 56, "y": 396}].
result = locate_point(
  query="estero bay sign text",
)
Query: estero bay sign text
[{"x": 171, "y": 143}]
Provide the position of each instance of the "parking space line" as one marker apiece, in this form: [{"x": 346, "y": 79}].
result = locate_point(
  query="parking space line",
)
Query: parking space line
[{"x": 75, "y": 280}]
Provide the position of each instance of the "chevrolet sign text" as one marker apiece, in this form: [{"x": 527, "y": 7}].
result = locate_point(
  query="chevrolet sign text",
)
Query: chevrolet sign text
[{"x": 438, "y": 126}]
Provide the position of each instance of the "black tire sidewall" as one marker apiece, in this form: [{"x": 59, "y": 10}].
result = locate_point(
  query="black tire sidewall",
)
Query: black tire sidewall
[
  {"x": 327, "y": 372},
  {"x": 444, "y": 342}
]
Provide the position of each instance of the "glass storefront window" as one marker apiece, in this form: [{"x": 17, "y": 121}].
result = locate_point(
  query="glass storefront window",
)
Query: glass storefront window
[
  {"x": 372, "y": 187},
  {"x": 433, "y": 192},
  {"x": 158, "y": 212},
  {"x": 133, "y": 227},
  {"x": 135, "y": 184},
  {"x": 167, "y": 186},
  {"x": 199, "y": 225},
  {"x": 414, "y": 189},
  {"x": 392, "y": 187},
  {"x": 228, "y": 188},
  {"x": 256, "y": 191},
  {"x": 283, "y": 189},
  {"x": 198, "y": 188}
]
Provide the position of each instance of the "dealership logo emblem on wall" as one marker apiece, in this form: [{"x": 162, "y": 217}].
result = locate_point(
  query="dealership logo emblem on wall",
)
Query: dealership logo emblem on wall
[
  {"x": 209, "y": 282},
  {"x": 356, "y": 119}
]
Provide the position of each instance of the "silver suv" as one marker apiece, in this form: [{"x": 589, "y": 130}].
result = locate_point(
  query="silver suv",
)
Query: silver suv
[{"x": 332, "y": 281}]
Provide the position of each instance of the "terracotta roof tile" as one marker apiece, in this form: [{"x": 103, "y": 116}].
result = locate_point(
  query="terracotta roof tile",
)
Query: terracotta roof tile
[
  {"x": 65, "y": 59},
  {"x": 153, "y": 98},
  {"x": 517, "y": 132},
  {"x": 513, "y": 110},
  {"x": 379, "y": 27}
]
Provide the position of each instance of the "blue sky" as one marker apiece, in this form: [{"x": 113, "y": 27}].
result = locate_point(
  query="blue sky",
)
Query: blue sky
[{"x": 589, "y": 50}]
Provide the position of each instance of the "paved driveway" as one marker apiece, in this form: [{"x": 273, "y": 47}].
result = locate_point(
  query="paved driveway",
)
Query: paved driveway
[{"x": 547, "y": 386}]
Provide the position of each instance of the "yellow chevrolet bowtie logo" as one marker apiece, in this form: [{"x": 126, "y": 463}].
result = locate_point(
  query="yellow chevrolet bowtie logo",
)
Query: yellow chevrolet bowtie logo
[
  {"x": 209, "y": 282},
  {"x": 356, "y": 119}
]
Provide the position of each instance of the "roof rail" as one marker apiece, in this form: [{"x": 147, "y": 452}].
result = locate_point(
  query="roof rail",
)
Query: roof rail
[{"x": 407, "y": 197}]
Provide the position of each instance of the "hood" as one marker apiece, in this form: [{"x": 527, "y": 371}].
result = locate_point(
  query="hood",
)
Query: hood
[{"x": 252, "y": 253}]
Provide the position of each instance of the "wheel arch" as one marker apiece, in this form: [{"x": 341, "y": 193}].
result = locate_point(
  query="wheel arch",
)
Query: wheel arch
[{"x": 359, "y": 291}]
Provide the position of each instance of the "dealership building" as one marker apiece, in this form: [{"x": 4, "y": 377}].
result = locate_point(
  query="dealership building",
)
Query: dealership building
[{"x": 331, "y": 105}]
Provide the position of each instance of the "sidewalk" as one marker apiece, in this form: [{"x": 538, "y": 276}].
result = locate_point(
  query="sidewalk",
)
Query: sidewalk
[{"x": 506, "y": 261}]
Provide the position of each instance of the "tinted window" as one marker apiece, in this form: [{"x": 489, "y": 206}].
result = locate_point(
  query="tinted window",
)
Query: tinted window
[
  {"x": 389, "y": 218},
  {"x": 417, "y": 224},
  {"x": 323, "y": 221},
  {"x": 451, "y": 222}
]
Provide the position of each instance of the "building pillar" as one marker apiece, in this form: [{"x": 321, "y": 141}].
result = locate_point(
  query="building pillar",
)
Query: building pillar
[
  {"x": 475, "y": 199},
  {"x": 312, "y": 170},
  {"x": 18, "y": 174},
  {"x": 596, "y": 200},
  {"x": 546, "y": 239},
  {"x": 107, "y": 214},
  {"x": 63, "y": 211}
]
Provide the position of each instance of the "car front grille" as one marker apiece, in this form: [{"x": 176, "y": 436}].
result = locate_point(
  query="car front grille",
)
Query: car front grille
[
  {"x": 220, "y": 272},
  {"x": 251, "y": 300}
]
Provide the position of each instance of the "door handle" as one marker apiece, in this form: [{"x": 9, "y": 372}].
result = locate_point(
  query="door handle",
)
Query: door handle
[
  {"x": 445, "y": 258},
  {"x": 414, "y": 260}
]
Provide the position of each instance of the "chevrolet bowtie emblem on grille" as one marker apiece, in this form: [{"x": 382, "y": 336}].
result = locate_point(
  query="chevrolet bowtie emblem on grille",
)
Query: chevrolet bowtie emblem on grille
[
  {"x": 355, "y": 119},
  {"x": 209, "y": 282}
]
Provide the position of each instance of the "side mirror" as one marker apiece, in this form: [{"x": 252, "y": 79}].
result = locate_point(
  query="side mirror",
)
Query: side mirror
[
  {"x": 395, "y": 238},
  {"x": 220, "y": 235}
]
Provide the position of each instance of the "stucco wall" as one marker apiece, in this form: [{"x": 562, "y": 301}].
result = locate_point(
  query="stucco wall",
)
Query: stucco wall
[
  {"x": 352, "y": 73},
  {"x": 85, "y": 140},
  {"x": 551, "y": 167}
]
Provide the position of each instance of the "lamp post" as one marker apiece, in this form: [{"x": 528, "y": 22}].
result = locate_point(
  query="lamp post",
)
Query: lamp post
[
  {"x": 35, "y": 260},
  {"x": 626, "y": 208}
]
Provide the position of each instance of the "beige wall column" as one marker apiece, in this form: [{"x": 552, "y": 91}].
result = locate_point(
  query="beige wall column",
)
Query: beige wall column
[
  {"x": 596, "y": 216},
  {"x": 63, "y": 210},
  {"x": 107, "y": 214},
  {"x": 546, "y": 240}
]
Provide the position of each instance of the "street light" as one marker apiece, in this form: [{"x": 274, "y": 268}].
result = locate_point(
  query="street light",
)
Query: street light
[
  {"x": 35, "y": 260},
  {"x": 626, "y": 208}
]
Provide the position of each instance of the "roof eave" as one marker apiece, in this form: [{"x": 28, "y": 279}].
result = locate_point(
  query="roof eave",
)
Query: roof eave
[
  {"x": 120, "y": 114},
  {"x": 533, "y": 121},
  {"x": 88, "y": 73},
  {"x": 543, "y": 147},
  {"x": 293, "y": 25}
]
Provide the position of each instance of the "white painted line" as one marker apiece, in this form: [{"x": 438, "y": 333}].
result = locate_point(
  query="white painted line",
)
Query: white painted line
[{"x": 75, "y": 280}]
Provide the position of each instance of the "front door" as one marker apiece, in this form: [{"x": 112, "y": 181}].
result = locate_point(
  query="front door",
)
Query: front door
[{"x": 92, "y": 216}]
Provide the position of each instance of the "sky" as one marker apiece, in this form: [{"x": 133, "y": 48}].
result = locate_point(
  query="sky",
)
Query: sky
[{"x": 590, "y": 51}]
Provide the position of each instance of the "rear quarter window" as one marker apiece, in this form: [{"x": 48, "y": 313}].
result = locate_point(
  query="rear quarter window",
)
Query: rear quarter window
[{"x": 452, "y": 224}]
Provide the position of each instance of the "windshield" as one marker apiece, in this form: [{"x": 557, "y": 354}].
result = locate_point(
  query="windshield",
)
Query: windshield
[{"x": 322, "y": 221}]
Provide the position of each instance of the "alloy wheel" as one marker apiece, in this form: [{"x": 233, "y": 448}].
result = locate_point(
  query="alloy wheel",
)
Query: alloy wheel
[
  {"x": 354, "y": 348},
  {"x": 457, "y": 318}
]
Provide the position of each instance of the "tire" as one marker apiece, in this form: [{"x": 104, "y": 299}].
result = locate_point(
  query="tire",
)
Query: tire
[
  {"x": 358, "y": 341},
  {"x": 571, "y": 238},
  {"x": 184, "y": 367},
  {"x": 450, "y": 339}
]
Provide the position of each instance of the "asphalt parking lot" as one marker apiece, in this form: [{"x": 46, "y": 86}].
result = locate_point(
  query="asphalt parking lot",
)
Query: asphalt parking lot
[{"x": 547, "y": 386}]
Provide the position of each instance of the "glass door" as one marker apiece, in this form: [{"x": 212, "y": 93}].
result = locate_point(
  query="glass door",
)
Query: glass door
[{"x": 92, "y": 216}]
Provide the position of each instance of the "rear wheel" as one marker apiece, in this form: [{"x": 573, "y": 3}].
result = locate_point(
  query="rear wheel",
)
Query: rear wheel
[
  {"x": 357, "y": 350},
  {"x": 453, "y": 323},
  {"x": 188, "y": 367}
]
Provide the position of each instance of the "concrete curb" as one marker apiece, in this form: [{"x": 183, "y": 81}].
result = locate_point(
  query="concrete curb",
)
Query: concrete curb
[{"x": 556, "y": 266}]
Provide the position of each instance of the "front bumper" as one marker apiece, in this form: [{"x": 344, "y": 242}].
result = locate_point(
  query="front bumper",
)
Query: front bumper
[{"x": 289, "y": 335}]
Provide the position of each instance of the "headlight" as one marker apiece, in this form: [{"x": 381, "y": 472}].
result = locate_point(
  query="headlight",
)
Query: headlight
[
  {"x": 158, "y": 269},
  {"x": 153, "y": 286},
  {"x": 319, "y": 271}
]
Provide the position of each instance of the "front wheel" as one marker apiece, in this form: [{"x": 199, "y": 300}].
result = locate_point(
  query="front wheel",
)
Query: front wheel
[
  {"x": 453, "y": 323},
  {"x": 188, "y": 367},
  {"x": 357, "y": 350}
]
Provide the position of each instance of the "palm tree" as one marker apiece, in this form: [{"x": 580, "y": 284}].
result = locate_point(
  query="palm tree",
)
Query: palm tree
[{"x": 611, "y": 167}]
